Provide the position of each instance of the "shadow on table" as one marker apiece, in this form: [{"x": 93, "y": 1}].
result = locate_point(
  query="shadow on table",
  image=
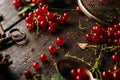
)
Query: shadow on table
[{"x": 6, "y": 74}]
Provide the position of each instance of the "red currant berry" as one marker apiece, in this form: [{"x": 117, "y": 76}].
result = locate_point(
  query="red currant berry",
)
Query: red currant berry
[
  {"x": 17, "y": 3},
  {"x": 106, "y": 76},
  {"x": 73, "y": 72},
  {"x": 78, "y": 9},
  {"x": 60, "y": 41},
  {"x": 116, "y": 58},
  {"x": 30, "y": 26},
  {"x": 36, "y": 66},
  {"x": 66, "y": 15},
  {"x": 39, "y": 12},
  {"x": 31, "y": 15},
  {"x": 24, "y": 15},
  {"x": 40, "y": 18},
  {"x": 96, "y": 38},
  {"x": 35, "y": 2},
  {"x": 43, "y": 57},
  {"x": 116, "y": 68},
  {"x": 51, "y": 29},
  {"x": 50, "y": 15},
  {"x": 54, "y": 25},
  {"x": 116, "y": 76},
  {"x": 82, "y": 73},
  {"x": 88, "y": 37},
  {"x": 79, "y": 78},
  {"x": 43, "y": 24},
  {"x": 52, "y": 49},
  {"x": 45, "y": 9},
  {"x": 28, "y": 74},
  {"x": 28, "y": 20}
]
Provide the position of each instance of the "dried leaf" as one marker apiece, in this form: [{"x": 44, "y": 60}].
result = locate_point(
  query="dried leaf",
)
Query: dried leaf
[{"x": 82, "y": 45}]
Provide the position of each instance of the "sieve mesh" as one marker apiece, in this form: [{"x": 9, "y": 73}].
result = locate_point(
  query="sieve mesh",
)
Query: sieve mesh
[{"x": 104, "y": 11}]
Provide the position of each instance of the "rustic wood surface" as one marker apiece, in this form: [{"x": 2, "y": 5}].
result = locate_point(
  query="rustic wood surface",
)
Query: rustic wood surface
[{"x": 24, "y": 56}]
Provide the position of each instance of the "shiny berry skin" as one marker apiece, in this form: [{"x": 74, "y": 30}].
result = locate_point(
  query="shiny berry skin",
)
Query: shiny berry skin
[
  {"x": 36, "y": 65},
  {"x": 60, "y": 41},
  {"x": 24, "y": 15},
  {"x": 27, "y": 74},
  {"x": 88, "y": 37},
  {"x": 43, "y": 57},
  {"x": 45, "y": 9},
  {"x": 50, "y": 15},
  {"x": 116, "y": 57},
  {"x": 79, "y": 78},
  {"x": 116, "y": 76},
  {"x": 51, "y": 29},
  {"x": 35, "y": 2},
  {"x": 30, "y": 26},
  {"x": 66, "y": 15},
  {"x": 106, "y": 76},
  {"x": 28, "y": 20},
  {"x": 78, "y": 9},
  {"x": 40, "y": 18},
  {"x": 43, "y": 24},
  {"x": 31, "y": 15},
  {"x": 17, "y": 3},
  {"x": 81, "y": 72},
  {"x": 52, "y": 49},
  {"x": 73, "y": 72}
]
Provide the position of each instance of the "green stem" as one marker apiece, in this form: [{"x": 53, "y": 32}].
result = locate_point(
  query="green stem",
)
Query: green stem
[{"x": 79, "y": 59}]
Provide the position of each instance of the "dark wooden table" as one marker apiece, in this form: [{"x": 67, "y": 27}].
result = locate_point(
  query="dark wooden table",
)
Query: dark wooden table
[{"x": 23, "y": 57}]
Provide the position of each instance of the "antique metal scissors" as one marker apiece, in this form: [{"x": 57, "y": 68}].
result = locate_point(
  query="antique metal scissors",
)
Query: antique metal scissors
[{"x": 14, "y": 35}]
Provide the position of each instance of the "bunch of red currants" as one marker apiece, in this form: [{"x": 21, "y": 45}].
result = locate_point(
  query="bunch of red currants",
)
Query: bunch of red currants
[
  {"x": 45, "y": 19},
  {"x": 80, "y": 74},
  {"x": 41, "y": 18},
  {"x": 114, "y": 73},
  {"x": 109, "y": 35}
]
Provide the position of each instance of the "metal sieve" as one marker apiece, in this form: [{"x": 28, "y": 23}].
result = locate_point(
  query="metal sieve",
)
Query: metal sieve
[{"x": 106, "y": 12}]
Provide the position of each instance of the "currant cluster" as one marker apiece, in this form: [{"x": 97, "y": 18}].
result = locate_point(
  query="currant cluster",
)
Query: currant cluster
[
  {"x": 45, "y": 19},
  {"x": 79, "y": 74},
  {"x": 20, "y": 3},
  {"x": 109, "y": 35},
  {"x": 113, "y": 74}
]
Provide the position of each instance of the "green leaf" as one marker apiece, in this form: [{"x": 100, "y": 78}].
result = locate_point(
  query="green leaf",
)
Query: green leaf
[
  {"x": 45, "y": 78},
  {"x": 57, "y": 77}
]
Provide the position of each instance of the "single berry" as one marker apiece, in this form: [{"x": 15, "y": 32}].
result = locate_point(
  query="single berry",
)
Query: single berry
[
  {"x": 52, "y": 49},
  {"x": 51, "y": 29},
  {"x": 27, "y": 74},
  {"x": 116, "y": 58},
  {"x": 60, "y": 41},
  {"x": 50, "y": 15},
  {"x": 66, "y": 15},
  {"x": 88, "y": 37},
  {"x": 82, "y": 73},
  {"x": 43, "y": 24},
  {"x": 36, "y": 66},
  {"x": 43, "y": 57},
  {"x": 30, "y": 26},
  {"x": 16, "y": 3},
  {"x": 78, "y": 9},
  {"x": 28, "y": 20},
  {"x": 73, "y": 72},
  {"x": 35, "y": 2},
  {"x": 40, "y": 18}
]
